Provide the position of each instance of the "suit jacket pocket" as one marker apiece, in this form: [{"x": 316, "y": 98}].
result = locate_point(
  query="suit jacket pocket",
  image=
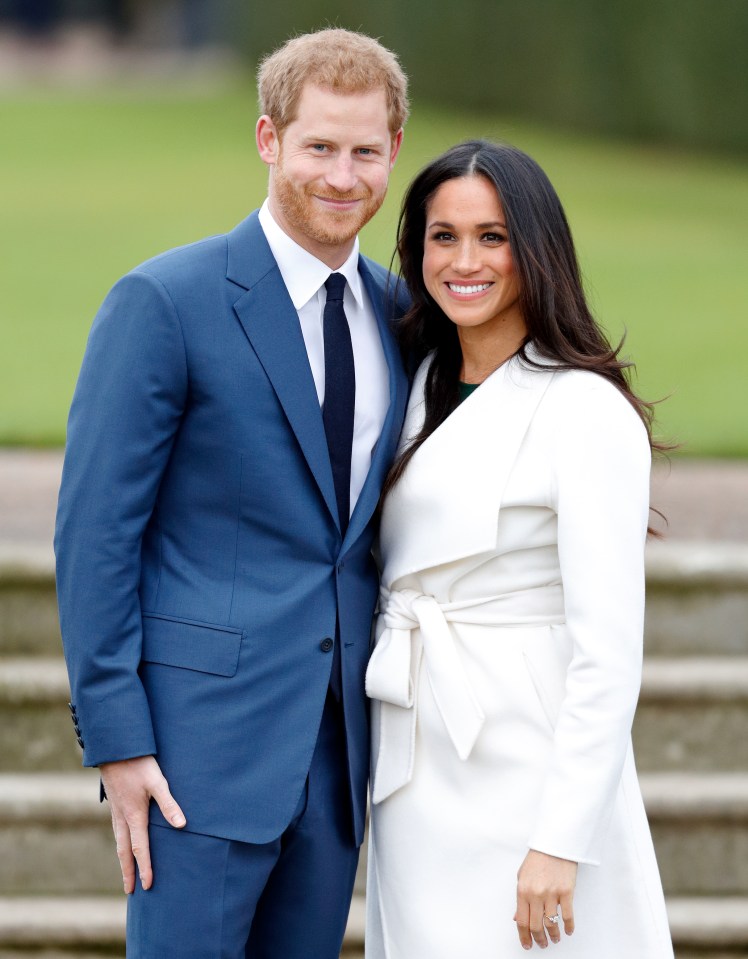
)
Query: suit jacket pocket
[{"x": 190, "y": 645}]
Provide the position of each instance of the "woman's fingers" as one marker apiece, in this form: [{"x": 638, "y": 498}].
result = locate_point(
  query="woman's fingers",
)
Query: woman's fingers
[
  {"x": 567, "y": 910},
  {"x": 522, "y": 918},
  {"x": 545, "y": 884},
  {"x": 551, "y": 922},
  {"x": 537, "y": 926}
]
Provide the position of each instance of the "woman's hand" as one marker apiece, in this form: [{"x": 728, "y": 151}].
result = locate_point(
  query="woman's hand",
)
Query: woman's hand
[{"x": 543, "y": 884}]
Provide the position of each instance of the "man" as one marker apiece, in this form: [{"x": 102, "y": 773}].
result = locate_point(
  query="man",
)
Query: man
[{"x": 238, "y": 406}]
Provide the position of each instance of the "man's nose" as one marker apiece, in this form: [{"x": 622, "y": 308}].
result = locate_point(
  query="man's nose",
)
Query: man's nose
[{"x": 341, "y": 175}]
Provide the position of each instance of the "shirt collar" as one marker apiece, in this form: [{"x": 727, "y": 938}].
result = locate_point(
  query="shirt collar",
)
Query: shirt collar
[{"x": 303, "y": 274}]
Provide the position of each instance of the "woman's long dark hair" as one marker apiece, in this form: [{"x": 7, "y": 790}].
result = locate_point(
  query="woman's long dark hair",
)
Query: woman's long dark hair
[{"x": 551, "y": 298}]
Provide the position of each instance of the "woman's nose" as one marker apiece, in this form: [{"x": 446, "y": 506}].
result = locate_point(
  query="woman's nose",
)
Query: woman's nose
[{"x": 465, "y": 259}]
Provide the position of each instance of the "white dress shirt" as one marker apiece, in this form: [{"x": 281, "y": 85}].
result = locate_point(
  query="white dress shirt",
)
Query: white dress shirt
[{"x": 305, "y": 276}]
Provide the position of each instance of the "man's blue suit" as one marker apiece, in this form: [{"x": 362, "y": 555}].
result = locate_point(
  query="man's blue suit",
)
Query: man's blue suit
[{"x": 199, "y": 560}]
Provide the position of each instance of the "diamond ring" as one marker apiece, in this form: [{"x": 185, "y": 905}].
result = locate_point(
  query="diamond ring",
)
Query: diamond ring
[{"x": 554, "y": 919}]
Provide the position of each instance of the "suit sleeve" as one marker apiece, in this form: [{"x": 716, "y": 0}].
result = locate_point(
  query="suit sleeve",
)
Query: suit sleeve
[
  {"x": 126, "y": 410},
  {"x": 602, "y": 463}
]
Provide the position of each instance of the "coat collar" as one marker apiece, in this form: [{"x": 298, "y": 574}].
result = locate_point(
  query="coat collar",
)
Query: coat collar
[
  {"x": 450, "y": 495},
  {"x": 271, "y": 324}
]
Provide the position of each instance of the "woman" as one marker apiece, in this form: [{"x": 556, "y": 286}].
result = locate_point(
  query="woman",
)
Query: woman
[{"x": 507, "y": 667}]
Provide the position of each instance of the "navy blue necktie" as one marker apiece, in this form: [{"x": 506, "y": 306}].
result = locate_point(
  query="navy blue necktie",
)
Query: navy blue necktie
[
  {"x": 340, "y": 394},
  {"x": 337, "y": 415}
]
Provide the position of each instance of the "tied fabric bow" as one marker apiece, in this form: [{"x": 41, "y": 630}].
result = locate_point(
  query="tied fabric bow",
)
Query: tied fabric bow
[{"x": 391, "y": 680}]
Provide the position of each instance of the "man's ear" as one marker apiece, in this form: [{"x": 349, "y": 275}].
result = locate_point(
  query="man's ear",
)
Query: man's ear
[
  {"x": 397, "y": 142},
  {"x": 267, "y": 139}
]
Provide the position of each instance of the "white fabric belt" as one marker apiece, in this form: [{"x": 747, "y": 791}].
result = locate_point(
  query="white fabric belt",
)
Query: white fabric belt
[{"x": 390, "y": 678}]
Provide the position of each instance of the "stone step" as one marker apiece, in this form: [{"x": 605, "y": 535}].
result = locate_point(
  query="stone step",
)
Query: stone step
[
  {"x": 708, "y": 927},
  {"x": 693, "y": 714},
  {"x": 28, "y": 602},
  {"x": 699, "y": 826},
  {"x": 35, "y": 729},
  {"x": 711, "y": 927},
  {"x": 55, "y": 835},
  {"x": 97, "y": 923},
  {"x": 697, "y": 600}
]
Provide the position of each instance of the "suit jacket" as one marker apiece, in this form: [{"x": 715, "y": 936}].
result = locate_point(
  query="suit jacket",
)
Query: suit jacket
[{"x": 200, "y": 565}]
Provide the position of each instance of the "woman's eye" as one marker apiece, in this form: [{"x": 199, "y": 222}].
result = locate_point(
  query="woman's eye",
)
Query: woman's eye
[
  {"x": 442, "y": 236},
  {"x": 494, "y": 237}
]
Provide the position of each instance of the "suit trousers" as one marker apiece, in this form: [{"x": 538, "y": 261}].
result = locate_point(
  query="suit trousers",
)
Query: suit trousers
[{"x": 218, "y": 898}]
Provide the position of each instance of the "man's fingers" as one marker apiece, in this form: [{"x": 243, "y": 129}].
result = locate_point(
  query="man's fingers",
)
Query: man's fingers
[
  {"x": 141, "y": 850},
  {"x": 130, "y": 785},
  {"x": 168, "y": 805},
  {"x": 124, "y": 853}
]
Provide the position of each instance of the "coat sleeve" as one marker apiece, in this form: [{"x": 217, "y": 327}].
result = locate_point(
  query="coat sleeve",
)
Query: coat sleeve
[
  {"x": 601, "y": 458},
  {"x": 125, "y": 413}
]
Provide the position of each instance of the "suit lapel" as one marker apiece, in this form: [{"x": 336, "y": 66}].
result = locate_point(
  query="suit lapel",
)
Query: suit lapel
[
  {"x": 384, "y": 450},
  {"x": 450, "y": 496},
  {"x": 271, "y": 324}
]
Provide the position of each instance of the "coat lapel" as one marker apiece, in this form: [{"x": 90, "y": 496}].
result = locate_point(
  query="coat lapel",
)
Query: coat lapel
[
  {"x": 383, "y": 303},
  {"x": 450, "y": 496},
  {"x": 271, "y": 324}
]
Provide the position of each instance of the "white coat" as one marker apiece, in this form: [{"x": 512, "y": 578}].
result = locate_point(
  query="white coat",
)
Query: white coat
[{"x": 506, "y": 673}]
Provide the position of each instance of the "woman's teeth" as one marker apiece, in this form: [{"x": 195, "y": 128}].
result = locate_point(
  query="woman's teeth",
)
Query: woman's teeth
[{"x": 475, "y": 288}]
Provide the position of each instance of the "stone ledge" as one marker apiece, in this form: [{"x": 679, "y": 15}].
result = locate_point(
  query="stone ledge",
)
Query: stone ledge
[
  {"x": 51, "y": 797},
  {"x": 696, "y": 796},
  {"x": 708, "y": 922},
  {"x": 700, "y": 922},
  {"x": 712, "y": 678},
  {"x": 96, "y": 921},
  {"x": 691, "y": 562},
  {"x": 26, "y": 563},
  {"x": 37, "y": 679},
  {"x": 43, "y": 679},
  {"x": 697, "y": 563},
  {"x": 61, "y": 921},
  {"x": 74, "y": 797}
]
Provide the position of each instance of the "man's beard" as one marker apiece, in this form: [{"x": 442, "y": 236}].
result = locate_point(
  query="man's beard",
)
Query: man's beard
[{"x": 328, "y": 227}]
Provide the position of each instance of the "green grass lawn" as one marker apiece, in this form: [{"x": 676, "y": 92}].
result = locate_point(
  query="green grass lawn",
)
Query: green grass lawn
[{"x": 91, "y": 185}]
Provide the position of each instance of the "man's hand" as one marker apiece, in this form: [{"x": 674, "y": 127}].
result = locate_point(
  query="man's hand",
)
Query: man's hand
[
  {"x": 543, "y": 884},
  {"x": 130, "y": 784}
]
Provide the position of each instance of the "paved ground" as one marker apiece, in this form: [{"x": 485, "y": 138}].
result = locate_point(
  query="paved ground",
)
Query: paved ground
[{"x": 703, "y": 499}]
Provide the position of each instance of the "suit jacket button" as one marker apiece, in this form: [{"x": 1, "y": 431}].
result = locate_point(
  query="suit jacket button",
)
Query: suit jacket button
[{"x": 326, "y": 645}]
